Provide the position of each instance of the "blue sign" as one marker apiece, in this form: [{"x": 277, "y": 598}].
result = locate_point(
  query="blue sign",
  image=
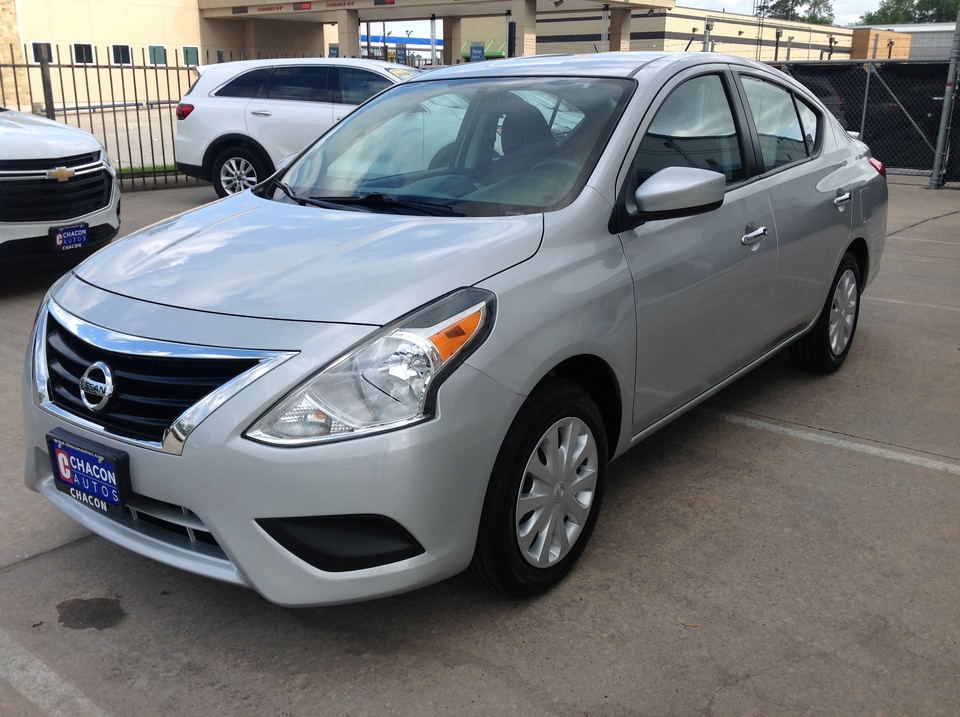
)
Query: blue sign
[
  {"x": 334, "y": 50},
  {"x": 401, "y": 54},
  {"x": 477, "y": 52}
]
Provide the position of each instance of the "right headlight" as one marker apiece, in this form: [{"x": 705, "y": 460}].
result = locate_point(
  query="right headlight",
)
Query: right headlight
[{"x": 386, "y": 382}]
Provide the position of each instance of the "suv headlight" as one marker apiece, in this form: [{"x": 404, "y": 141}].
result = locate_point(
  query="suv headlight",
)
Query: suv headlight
[{"x": 388, "y": 381}]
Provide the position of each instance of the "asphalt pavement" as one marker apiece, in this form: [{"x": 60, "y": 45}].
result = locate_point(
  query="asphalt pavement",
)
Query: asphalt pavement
[{"x": 789, "y": 548}]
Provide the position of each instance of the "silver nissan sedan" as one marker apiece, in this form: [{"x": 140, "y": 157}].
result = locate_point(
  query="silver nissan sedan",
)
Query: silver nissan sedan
[{"x": 415, "y": 349}]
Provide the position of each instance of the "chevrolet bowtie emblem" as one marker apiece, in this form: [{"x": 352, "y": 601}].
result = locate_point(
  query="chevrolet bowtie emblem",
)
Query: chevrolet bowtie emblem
[{"x": 61, "y": 174}]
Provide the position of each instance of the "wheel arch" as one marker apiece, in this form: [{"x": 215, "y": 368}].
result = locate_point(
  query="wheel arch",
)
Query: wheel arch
[
  {"x": 595, "y": 376},
  {"x": 858, "y": 247},
  {"x": 239, "y": 140}
]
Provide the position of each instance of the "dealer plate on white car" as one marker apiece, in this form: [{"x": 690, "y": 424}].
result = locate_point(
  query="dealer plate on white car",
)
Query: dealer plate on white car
[
  {"x": 92, "y": 474},
  {"x": 67, "y": 238}
]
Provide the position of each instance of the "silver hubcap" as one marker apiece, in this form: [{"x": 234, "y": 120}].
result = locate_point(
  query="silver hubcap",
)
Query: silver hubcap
[
  {"x": 556, "y": 493},
  {"x": 237, "y": 174},
  {"x": 843, "y": 312}
]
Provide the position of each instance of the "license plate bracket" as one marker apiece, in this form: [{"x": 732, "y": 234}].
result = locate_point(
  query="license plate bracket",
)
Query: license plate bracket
[{"x": 92, "y": 474}]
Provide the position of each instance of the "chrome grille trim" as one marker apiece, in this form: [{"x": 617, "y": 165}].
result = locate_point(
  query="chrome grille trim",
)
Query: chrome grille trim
[{"x": 115, "y": 342}]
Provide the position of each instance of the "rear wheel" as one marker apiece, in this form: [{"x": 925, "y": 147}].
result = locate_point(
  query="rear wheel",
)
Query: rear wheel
[
  {"x": 545, "y": 492},
  {"x": 236, "y": 169},
  {"x": 824, "y": 348}
]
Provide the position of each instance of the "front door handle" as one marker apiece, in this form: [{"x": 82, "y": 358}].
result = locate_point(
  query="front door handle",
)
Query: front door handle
[
  {"x": 754, "y": 235},
  {"x": 842, "y": 199},
  {"x": 261, "y": 113}
]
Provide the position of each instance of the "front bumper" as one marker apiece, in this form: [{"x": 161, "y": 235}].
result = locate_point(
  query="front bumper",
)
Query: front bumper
[
  {"x": 428, "y": 479},
  {"x": 30, "y": 244}
]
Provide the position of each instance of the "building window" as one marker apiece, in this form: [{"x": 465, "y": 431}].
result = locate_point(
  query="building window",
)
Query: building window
[
  {"x": 121, "y": 54},
  {"x": 191, "y": 56},
  {"x": 83, "y": 54},
  {"x": 158, "y": 54},
  {"x": 42, "y": 51}
]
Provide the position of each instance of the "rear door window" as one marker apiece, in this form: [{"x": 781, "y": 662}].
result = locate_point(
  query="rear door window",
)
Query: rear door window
[
  {"x": 787, "y": 127},
  {"x": 304, "y": 84},
  {"x": 357, "y": 86}
]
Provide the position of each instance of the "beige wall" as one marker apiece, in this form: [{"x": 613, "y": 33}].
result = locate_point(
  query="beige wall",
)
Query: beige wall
[
  {"x": 875, "y": 44},
  {"x": 138, "y": 23},
  {"x": 742, "y": 35}
]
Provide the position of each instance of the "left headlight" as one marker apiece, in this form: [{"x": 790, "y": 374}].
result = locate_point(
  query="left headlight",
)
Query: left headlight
[{"x": 387, "y": 381}]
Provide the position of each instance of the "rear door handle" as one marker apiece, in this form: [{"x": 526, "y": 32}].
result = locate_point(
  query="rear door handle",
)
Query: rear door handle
[
  {"x": 261, "y": 113},
  {"x": 753, "y": 235},
  {"x": 842, "y": 198}
]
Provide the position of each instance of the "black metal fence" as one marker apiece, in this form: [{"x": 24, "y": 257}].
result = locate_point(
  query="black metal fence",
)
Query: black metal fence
[
  {"x": 896, "y": 106},
  {"x": 130, "y": 106}
]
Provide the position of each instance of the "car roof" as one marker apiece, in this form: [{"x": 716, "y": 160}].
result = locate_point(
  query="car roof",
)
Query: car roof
[
  {"x": 235, "y": 67},
  {"x": 601, "y": 64}
]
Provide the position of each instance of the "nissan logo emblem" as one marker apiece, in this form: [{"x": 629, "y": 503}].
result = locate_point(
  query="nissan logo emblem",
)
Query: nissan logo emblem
[{"x": 96, "y": 386}]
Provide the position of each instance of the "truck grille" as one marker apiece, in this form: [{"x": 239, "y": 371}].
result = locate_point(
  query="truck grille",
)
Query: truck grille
[{"x": 30, "y": 191}]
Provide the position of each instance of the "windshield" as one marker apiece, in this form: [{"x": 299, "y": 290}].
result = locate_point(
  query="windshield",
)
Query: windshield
[{"x": 479, "y": 147}]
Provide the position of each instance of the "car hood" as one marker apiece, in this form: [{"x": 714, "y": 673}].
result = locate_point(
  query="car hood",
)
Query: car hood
[
  {"x": 247, "y": 256},
  {"x": 30, "y": 137}
]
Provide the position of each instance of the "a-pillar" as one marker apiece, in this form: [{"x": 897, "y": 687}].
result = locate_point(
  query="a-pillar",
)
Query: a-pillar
[
  {"x": 452, "y": 41},
  {"x": 620, "y": 29},
  {"x": 348, "y": 32},
  {"x": 524, "y": 14}
]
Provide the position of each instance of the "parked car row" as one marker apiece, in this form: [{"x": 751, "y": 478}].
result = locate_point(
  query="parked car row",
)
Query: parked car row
[{"x": 415, "y": 348}]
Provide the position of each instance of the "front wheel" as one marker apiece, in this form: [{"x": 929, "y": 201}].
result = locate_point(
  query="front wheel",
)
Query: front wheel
[
  {"x": 544, "y": 494},
  {"x": 824, "y": 348},
  {"x": 236, "y": 169}
]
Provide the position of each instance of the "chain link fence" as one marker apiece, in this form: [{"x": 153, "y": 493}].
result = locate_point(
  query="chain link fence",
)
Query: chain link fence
[{"x": 896, "y": 106}]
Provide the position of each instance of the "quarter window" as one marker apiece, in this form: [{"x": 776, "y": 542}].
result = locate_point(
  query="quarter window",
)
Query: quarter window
[
  {"x": 694, "y": 127},
  {"x": 246, "y": 85},
  {"x": 786, "y": 126}
]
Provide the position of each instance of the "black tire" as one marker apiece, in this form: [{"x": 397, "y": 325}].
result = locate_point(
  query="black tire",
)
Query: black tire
[
  {"x": 825, "y": 347},
  {"x": 237, "y": 168},
  {"x": 512, "y": 555}
]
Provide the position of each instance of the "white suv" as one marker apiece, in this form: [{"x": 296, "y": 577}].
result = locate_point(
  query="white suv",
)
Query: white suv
[
  {"x": 241, "y": 118},
  {"x": 59, "y": 200}
]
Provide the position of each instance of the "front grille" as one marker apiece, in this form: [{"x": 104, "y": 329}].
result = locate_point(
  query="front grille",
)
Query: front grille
[
  {"x": 149, "y": 391},
  {"x": 28, "y": 195}
]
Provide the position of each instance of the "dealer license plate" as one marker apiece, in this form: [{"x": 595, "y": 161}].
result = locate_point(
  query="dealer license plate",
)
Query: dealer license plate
[
  {"x": 67, "y": 238},
  {"x": 92, "y": 474}
]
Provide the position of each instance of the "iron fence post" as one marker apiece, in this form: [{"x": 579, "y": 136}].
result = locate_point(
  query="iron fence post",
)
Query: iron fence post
[
  {"x": 47, "y": 86},
  {"x": 936, "y": 176}
]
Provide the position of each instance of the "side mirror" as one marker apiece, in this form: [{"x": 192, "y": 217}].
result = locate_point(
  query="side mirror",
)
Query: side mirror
[{"x": 679, "y": 192}]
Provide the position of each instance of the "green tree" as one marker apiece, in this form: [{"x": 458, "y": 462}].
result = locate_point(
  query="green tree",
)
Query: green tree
[
  {"x": 905, "y": 12},
  {"x": 819, "y": 12}
]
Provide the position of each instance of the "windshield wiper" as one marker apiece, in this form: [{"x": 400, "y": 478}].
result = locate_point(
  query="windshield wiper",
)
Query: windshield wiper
[
  {"x": 378, "y": 200},
  {"x": 313, "y": 201}
]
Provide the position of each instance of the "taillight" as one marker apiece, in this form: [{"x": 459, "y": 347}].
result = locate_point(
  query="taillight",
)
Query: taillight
[
  {"x": 183, "y": 111},
  {"x": 879, "y": 166}
]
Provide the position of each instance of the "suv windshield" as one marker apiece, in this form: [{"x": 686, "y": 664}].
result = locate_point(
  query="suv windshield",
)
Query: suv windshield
[{"x": 479, "y": 147}]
